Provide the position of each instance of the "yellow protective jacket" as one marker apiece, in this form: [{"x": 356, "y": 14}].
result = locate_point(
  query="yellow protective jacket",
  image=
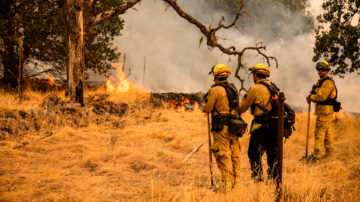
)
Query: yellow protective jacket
[
  {"x": 217, "y": 98},
  {"x": 258, "y": 94},
  {"x": 323, "y": 92}
]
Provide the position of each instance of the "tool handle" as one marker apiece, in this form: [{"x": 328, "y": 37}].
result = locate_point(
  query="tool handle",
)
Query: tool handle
[
  {"x": 210, "y": 154},
  {"x": 308, "y": 130}
]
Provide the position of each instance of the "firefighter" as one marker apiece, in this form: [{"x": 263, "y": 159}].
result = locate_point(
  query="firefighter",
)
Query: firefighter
[
  {"x": 323, "y": 91},
  {"x": 263, "y": 137},
  {"x": 226, "y": 146}
]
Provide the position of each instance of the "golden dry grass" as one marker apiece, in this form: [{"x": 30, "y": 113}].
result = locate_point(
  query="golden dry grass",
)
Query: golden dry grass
[{"x": 142, "y": 160}]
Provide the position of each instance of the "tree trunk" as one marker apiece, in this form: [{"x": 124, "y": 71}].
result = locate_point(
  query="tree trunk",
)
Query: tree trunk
[
  {"x": 10, "y": 60},
  {"x": 20, "y": 68},
  {"x": 75, "y": 58},
  {"x": 11, "y": 71}
]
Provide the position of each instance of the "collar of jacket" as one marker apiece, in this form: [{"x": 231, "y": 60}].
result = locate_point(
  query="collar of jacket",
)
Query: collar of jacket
[
  {"x": 322, "y": 79},
  {"x": 264, "y": 80},
  {"x": 225, "y": 81}
]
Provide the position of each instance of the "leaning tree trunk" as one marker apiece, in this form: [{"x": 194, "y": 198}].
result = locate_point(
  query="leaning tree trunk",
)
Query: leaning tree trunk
[{"x": 75, "y": 58}]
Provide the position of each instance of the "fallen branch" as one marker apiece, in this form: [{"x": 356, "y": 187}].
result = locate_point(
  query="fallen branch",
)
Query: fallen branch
[{"x": 192, "y": 152}]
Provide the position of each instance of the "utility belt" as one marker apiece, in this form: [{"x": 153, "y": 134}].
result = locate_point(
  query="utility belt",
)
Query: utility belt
[
  {"x": 236, "y": 124},
  {"x": 327, "y": 102},
  {"x": 218, "y": 122},
  {"x": 332, "y": 102},
  {"x": 267, "y": 120},
  {"x": 263, "y": 118}
]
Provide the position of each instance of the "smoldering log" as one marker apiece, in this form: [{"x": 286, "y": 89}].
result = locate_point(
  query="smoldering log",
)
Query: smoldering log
[{"x": 177, "y": 99}]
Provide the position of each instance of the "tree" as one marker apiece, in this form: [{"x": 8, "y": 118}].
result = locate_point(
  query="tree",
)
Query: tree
[
  {"x": 75, "y": 10},
  {"x": 86, "y": 20},
  {"x": 43, "y": 35},
  {"x": 339, "y": 43},
  {"x": 76, "y": 25},
  {"x": 13, "y": 39}
]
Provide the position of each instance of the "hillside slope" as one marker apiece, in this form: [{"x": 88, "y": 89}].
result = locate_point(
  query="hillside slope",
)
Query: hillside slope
[{"x": 140, "y": 159}]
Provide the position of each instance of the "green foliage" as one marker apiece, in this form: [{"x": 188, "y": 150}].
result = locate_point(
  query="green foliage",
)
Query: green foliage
[
  {"x": 337, "y": 37},
  {"x": 98, "y": 45},
  {"x": 269, "y": 20},
  {"x": 44, "y": 30},
  {"x": 17, "y": 24},
  {"x": 99, "y": 51}
]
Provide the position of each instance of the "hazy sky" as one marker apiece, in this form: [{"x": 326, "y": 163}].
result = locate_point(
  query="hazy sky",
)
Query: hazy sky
[{"x": 175, "y": 62}]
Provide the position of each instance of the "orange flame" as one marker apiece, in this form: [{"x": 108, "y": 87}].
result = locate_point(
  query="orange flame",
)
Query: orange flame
[
  {"x": 119, "y": 84},
  {"x": 196, "y": 107},
  {"x": 51, "y": 80},
  {"x": 172, "y": 104},
  {"x": 181, "y": 105},
  {"x": 181, "y": 109}
]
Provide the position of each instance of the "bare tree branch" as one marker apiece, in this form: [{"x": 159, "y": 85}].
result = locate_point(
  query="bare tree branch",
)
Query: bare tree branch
[
  {"x": 209, "y": 33},
  {"x": 238, "y": 13},
  {"x": 212, "y": 39},
  {"x": 91, "y": 24},
  {"x": 188, "y": 17},
  {"x": 242, "y": 80}
]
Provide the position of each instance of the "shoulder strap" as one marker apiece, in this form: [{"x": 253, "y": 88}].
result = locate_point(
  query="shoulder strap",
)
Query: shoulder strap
[
  {"x": 273, "y": 91},
  {"x": 231, "y": 93},
  {"x": 322, "y": 81},
  {"x": 329, "y": 78}
]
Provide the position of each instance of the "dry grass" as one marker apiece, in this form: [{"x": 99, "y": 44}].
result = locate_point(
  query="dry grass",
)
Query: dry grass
[{"x": 141, "y": 161}]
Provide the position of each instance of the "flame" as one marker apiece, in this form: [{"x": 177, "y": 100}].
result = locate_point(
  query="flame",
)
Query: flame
[
  {"x": 172, "y": 104},
  {"x": 196, "y": 107},
  {"x": 51, "y": 80},
  {"x": 181, "y": 109},
  {"x": 184, "y": 101},
  {"x": 117, "y": 65},
  {"x": 119, "y": 84},
  {"x": 182, "y": 104}
]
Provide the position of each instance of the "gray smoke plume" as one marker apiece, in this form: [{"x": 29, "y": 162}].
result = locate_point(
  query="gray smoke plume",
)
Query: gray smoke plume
[{"x": 175, "y": 62}]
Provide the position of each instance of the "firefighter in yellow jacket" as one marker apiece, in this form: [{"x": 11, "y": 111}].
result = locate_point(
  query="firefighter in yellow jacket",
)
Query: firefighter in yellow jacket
[
  {"x": 322, "y": 91},
  {"x": 226, "y": 147},
  {"x": 263, "y": 137}
]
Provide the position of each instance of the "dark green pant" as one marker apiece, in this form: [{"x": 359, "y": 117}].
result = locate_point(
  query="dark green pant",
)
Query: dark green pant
[{"x": 263, "y": 140}]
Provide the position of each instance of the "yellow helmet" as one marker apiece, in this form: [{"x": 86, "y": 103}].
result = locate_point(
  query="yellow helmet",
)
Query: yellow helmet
[
  {"x": 323, "y": 65},
  {"x": 260, "y": 69},
  {"x": 220, "y": 71}
]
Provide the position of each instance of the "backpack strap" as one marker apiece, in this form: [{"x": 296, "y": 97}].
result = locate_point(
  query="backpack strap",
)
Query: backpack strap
[
  {"x": 232, "y": 95},
  {"x": 328, "y": 101},
  {"x": 329, "y": 78},
  {"x": 321, "y": 83},
  {"x": 273, "y": 91}
]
